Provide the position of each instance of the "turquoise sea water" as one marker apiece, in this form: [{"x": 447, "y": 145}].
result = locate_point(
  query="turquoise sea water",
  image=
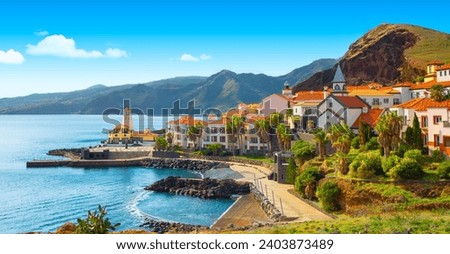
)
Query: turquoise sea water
[{"x": 42, "y": 199}]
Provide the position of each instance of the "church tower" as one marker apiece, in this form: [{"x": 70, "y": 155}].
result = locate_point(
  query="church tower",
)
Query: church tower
[{"x": 338, "y": 85}]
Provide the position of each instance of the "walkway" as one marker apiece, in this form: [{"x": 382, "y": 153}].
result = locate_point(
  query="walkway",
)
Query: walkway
[{"x": 294, "y": 208}]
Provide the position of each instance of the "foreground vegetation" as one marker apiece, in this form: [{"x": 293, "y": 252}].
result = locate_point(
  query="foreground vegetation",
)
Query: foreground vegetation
[{"x": 425, "y": 222}]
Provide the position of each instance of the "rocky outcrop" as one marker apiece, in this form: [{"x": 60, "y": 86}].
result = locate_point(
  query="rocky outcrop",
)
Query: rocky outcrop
[
  {"x": 387, "y": 54},
  {"x": 162, "y": 227},
  {"x": 196, "y": 165},
  {"x": 71, "y": 153},
  {"x": 202, "y": 188}
]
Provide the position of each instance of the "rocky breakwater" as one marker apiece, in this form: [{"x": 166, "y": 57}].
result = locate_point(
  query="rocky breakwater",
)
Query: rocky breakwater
[
  {"x": 266, "y": 205},
  {"x": 202, "y": 188},
  {"x": 71, "y": 153},
  {"x": 196, "y": 165}
]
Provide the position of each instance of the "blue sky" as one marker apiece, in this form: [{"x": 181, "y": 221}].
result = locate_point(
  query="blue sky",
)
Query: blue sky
[{"x": 47, "y": 46}]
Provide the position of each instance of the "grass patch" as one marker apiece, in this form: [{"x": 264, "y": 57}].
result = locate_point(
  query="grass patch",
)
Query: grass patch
[
  {"x": 387, "y": 190},
  {"x": 425, "y": 222},
  {"x": 262, "y": 158}
]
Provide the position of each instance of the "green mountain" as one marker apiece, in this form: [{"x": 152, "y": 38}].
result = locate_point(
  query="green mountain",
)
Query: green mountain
[{"x": 222, "y": 90}]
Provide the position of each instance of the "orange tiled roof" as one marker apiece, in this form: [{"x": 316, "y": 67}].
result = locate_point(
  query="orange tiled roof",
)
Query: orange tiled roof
[
  {"x": 222, "y": 120},
  {"x": 308, "y": 96},
  {"x": 404, "y": 84},
  {"x": 187, "y": 120},
  {"x": 371, "y": 117},
  {"x": 429, "y": 84},
  {"x": 422, "y": 104},
  {"x": 444, "y": 67},
  {"x": 351, "y": 101},
  {"x": 369, "y": 92}
]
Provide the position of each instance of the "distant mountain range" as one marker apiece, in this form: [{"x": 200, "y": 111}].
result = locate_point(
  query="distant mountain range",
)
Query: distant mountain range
[
  {"x": 222, "y": 90},
  {"x": 387, "y": 54}
]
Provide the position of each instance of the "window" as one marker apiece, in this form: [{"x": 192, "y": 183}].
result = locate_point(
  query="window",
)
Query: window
[
  {"x": 424, "y": 121},
  {"x": 344, "y": 87},
  {"x": 213, "y": 139},
  {"x": 437, "y": 119},
  {"x": 222, "y": 130},
  {"x": 254, "y": 140},
  {"x": 440, "y": 73},
  {"x": 337, "y": 88},
  {"x": 330, "y": 104},
  {"x": 386, "y": 100},
  {"x": 376, "y": 101},
  {"x": 214, "y": 130},
  {"x": 222, "y": 139},
  {"x": 412, "y": 95},
  {"x": 436, "y": 140},
  {"x": 396, "y": 101}
]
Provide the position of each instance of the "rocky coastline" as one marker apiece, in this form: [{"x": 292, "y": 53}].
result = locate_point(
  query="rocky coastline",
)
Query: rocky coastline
[
  {"x": 202, "y": 188},
  {"x": 196, "y": 165}
]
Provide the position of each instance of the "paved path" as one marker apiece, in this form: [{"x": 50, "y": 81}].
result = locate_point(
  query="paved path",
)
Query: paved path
[{"x": 294, "y": 208}]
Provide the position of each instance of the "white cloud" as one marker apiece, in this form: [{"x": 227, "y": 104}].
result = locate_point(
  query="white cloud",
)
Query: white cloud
[
  {"x": 41, "y": 33},
  {"x": 116, "y": 53},
  {"x": 59, "y": 45},
  {"x": 190, "y": 58},
  {"x": 11, "y": 57}
]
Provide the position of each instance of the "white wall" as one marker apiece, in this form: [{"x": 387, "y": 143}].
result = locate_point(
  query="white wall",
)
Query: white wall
[{"x": 443, "y": 76}]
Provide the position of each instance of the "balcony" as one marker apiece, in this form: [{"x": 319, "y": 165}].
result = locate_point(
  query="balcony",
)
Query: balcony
[{"x": 446, "y": 124}]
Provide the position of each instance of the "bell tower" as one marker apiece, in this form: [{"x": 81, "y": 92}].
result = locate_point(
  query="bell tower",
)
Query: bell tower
[{"x": 338, "y": 85}]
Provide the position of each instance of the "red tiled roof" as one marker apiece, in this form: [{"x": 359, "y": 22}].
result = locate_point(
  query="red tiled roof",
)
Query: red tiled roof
[
  {"x": 351, "y": 101},
  {"x": 308, "y": 96},
  {"x": 222, "y": 120},
  {"x": 429, "y": 84},
  {"x": 422, "y": 104},
  {"x": 371, "y": 117},
  {"x": 444, "y": 67},
  {"x": 187, "y": 120}
]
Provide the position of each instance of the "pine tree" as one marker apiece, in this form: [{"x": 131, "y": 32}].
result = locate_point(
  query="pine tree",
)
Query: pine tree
[{"x": 417, "y": 134}]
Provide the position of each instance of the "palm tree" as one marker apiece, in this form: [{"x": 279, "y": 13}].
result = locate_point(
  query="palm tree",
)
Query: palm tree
[
  {"x": 169, "y": 138},
  {"x": 341, "y": 136},
  {"x": 194, "y": 133},
  {"x": 214, "y": 148},
  {"x": 284, "y": 136},
  {"x": 389, "y": 128},
  {"x": 321, "y": 139},
  {"x": 437, "y": 92},
  {"x": 235, "y": 130},
  {"x": 262, "y": 127}
]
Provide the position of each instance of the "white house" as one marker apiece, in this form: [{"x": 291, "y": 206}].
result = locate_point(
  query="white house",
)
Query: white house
[{"x": 274, "y": 103}]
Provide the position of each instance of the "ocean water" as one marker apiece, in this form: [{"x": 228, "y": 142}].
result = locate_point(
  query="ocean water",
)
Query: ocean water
[{"x": 42, "y": 199}]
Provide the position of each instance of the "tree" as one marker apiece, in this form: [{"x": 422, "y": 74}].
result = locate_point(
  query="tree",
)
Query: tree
[
  {"x": 214, "y": 148},
  {"x": 365, "y": 132},
  {"x": 417, "y": 134},
  {"x": 409, "y": 136},
  {"x": 284, "y": 136},
  {"x": 389, "y": 128},
  {"x": 161, "y": 144},
  {"x": 291, "y": 171},
  {"x": 437, "y": 92},
  {"x": 169, "y": 138},
  {"x": 275, "y": 119},
  {"x": 262, "y": 127},
  {"x": 321, "y": 139},
  {"x": 341, "y": 137},
  {"x": 235, "y": 130},
  {"x": 194, "y": 133},
  {"x": 95, "y": 223},
  {"x": 303, "y": 151}
]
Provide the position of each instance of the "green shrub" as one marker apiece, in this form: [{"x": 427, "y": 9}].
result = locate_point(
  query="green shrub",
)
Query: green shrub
[
  {"x": 306, "y": 182},
  {"x": 415, "y": 154},
  {"x": 356, "y": 142},
  {"x": 387, "y": 163},
  {"x": 372, "y": 144},
  {"x": 303, "y": 151},
  {"x": 407, "y": 169},
  {"x": 366, "y": 165},
  {"x": 444, "y": 170},
  {"x": 437, "y": 156},
  {"x": 291, "y": 172},
  {"x": 402, "y": 149},
  {"x": 328, "y": 193},
  {"x": 95, "y": 223}
]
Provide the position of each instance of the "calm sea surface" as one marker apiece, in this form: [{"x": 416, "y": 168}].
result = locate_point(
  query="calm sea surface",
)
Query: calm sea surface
[{"x": 42, "y": 199}]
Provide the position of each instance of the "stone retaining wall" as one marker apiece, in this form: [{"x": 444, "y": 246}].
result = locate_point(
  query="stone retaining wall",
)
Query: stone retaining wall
[
  {"x": 230, "y": 159},
  {"x": 266, "y": 205}
]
